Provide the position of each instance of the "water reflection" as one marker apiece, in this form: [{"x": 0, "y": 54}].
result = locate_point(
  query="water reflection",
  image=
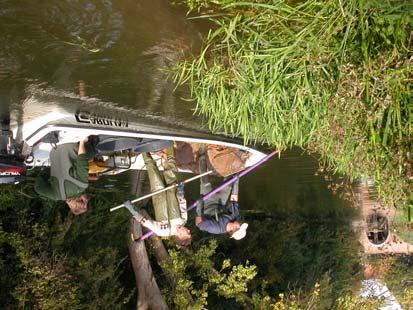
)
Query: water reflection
[
  {"x": 119, "y": 49},
  {"x": 37, "y": 37},
  {"x": 291, "y": 184}
]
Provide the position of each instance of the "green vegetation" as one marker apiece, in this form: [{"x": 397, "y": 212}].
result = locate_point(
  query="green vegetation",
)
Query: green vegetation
[
  {"x": 49, "y": 257},
  {"x": 230, "y": 282},
  {"x": 333, "y": 77},
  {"x": 397, "y": 273},
  {"x": 207, "y": 284}
]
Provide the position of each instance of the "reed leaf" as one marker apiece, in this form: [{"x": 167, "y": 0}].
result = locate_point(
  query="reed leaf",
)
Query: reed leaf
[{"x": 330, "y": 76}]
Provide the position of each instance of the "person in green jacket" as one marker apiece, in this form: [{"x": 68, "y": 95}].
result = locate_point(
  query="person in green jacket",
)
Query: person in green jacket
[{"x": 68, "y": 177}]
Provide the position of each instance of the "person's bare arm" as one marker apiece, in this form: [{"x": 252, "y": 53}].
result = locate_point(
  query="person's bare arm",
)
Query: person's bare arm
[
  {"x": 234, "y": 192},
  {"x": 80, "y": 165},
  {"x": 82, "y": 149}
]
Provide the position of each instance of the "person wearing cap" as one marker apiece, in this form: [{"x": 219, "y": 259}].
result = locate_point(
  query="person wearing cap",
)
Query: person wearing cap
[
  {"x": 68, "y": 178},
  {"x": 170, "y": 206},
  {"x": 220, "y": 213}
]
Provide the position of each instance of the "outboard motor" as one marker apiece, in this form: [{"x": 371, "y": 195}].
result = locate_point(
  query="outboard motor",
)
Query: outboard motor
[
  {"x": 12, "y": 171},
  {"x": 12, "y": 167}
]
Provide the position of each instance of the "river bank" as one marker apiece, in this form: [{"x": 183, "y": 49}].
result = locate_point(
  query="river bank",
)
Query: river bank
[{"x": 328, "y": 76}]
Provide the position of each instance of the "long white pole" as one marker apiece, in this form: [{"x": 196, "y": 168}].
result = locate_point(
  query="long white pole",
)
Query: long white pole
[{"x": 164, "y": 189}]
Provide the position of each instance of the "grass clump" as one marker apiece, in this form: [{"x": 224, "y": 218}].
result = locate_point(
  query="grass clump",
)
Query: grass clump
[{"x": 333, "y": 77}]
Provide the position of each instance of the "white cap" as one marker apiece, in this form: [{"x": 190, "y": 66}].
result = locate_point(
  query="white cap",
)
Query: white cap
[{"x": 241, "y": 232}]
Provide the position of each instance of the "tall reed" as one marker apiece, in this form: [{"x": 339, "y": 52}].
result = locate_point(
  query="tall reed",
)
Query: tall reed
[{"x": 331, "y": 76}]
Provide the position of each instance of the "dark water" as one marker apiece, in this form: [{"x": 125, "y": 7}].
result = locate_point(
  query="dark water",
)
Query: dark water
[
  {"x": 119, "y": 50},
  {"x": 290, "y": 184}
]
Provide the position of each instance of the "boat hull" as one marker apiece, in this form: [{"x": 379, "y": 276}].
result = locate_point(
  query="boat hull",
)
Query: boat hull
[{"x": 74, "y": 126}]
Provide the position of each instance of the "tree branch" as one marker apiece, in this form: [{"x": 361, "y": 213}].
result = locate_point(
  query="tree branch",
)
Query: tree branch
[{"x": 148, "y": 293}]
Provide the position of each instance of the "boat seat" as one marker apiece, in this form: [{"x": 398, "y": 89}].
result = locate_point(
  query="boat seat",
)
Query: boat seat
[
  {"x": 138, "y": 145},
  {"x": 152, "y": 145}
]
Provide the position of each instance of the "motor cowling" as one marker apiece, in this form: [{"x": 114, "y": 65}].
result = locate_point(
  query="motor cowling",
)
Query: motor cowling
[
  {"x": 12, "y": 170},
  {"x": 12, "y": 167}
]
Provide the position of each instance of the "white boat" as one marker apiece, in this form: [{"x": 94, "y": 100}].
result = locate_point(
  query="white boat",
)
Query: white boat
[{"x": 39, "y": 127}]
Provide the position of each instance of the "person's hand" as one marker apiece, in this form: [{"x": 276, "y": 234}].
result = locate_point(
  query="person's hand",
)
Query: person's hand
[
  {"x": 234, "y": 197},
  {"x": 128, "y": 205},
  {"x": 200, "y": 208},
  {"x": 140, "y": 218},
  {"x": 235, "y": 189},
  {"x": 84, "y": 199},
  {"x": 180, "y": 190},
  {"x": 84, "y": 139}
]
